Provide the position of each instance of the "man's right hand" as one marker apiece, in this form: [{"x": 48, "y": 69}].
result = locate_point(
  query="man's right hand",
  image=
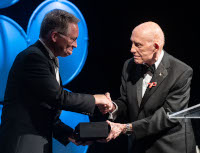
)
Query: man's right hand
[
  {"x": 104, "y": 104},
  {"x": 107, "y": 94}
]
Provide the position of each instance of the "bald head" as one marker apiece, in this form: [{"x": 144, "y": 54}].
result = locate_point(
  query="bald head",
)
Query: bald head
[
  {"x": 151, "y": 31},
  {"x": 147, "y": 43}
]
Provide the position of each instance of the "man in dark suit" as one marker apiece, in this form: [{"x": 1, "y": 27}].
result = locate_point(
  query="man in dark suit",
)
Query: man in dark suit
[
  {"x": 34, "y": 96},
  {"x": 154, "y": 84}
]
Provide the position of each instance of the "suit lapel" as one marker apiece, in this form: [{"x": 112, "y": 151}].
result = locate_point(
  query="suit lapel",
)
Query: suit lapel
[
  {"x": 139, "y": 90},
  {"x": 158, "y": 77},
  {"x": 45, "y": 52},
  {"x": 138, "y": 79}
]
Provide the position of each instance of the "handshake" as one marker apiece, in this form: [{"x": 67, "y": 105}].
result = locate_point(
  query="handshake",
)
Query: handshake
[
  {"x": 109, "y": 130},
  {"x": 104, "y": 103}
]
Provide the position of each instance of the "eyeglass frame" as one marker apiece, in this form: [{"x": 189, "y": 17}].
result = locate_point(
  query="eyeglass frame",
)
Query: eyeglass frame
[{"x": 73, "y": 39}]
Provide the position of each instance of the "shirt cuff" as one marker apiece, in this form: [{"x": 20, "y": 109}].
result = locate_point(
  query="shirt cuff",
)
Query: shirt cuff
[{"x": 113, "y": 115}]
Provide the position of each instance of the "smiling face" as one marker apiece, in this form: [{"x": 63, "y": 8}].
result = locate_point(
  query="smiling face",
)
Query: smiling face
[{"x": 65, "y": 43}]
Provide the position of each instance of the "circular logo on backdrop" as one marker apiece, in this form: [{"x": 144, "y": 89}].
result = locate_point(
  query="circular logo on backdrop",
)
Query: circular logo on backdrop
[{"x": 12, "y": 41}]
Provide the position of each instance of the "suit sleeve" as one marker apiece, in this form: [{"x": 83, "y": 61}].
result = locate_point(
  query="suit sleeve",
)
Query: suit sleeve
[
  {"x": 61, "y": 132},
  {"x": 177, "y": 99},
  {"x": 121, "y": 102},
  {"x": 38, "y": 80}
]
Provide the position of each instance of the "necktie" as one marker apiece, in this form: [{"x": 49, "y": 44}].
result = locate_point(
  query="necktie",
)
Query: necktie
[
  {"x": 56, "y": 61},
  {"x": 146, "y": 68}
]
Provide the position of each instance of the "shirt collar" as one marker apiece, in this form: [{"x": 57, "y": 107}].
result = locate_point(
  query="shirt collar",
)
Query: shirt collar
[
  {"x": 51, "y": 55},
  {"x": 159, "y": 59}
]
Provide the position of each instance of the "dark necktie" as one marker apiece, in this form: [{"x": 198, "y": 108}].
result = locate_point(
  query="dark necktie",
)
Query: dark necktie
[
  {"x": 146, "y": 68},
  {"x": 56, "y": 61}
]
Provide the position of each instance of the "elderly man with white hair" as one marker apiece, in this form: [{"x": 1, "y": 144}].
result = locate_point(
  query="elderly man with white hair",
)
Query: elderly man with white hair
[{"x": 154, "y": 83}]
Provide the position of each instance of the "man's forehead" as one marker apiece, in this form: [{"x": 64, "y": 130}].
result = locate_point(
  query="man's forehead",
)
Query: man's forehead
[
  {"x": 73, "y": 28},
  {"x": 136, "y": 33},
  {"x": 141, "y": 33}
]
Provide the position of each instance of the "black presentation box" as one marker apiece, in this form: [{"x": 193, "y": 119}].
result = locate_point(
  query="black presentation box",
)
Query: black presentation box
[{"x": 91, "y": 131}]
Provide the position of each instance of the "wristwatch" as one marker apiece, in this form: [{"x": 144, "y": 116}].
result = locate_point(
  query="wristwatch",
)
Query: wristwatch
[{"x": 128, "y": 129}]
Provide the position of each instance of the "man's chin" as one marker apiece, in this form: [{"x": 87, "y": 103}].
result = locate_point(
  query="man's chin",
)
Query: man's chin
[
  {"x": 138, "y": 62},
  {"x": 66, "y": 54}
]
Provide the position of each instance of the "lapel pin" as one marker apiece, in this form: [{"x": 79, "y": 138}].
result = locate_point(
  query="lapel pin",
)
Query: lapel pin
[
  {"x": 153, "y": 84},
  {"x": 160, "y": 74}
]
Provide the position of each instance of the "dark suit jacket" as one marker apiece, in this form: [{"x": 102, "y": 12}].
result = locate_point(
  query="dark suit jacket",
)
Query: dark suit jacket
[
  {"x": 153, "y": 131},
  {"x": 33, "y": 100}
]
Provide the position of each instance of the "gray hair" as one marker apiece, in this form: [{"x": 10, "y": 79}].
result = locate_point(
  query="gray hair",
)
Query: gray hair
[{"x": 57, "y": 20}]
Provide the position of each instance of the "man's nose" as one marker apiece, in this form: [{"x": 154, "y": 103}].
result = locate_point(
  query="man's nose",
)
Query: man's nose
[
  {"x": 74, "y": 44},
  {"x": 133, "y": 50}
]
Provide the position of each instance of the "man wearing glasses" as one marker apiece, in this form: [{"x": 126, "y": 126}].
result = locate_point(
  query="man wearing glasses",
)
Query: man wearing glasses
[{"x": 34, "y": 96}]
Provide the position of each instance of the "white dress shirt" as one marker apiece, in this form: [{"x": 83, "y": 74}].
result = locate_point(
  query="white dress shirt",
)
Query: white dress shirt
[
  {"x": 147, "y": 78},
  {"x": 53, "y": 57}
]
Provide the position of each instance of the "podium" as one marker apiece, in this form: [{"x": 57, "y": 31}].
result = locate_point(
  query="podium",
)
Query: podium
[{"x": 192, "y": 112}]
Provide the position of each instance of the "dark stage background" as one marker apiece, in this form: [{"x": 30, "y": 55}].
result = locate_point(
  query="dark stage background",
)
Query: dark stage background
[{"x": 110, "y": 24}]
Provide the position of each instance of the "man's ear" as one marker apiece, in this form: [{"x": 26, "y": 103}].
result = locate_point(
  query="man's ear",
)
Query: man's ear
[
  {"x": 156, "y": 46},
  {"x": 156, "y": 51},
  {"x": 54, "y": 36}
]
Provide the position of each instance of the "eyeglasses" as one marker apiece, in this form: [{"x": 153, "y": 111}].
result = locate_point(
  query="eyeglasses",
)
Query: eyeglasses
[{"x": 71, "y": 38}]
